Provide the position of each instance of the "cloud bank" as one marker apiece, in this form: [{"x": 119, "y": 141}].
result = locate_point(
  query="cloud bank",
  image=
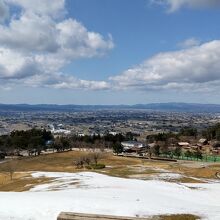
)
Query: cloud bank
[
  {"x": 193, "y": 69},
  {"x": 191, "y": 42},
  {"x": 38, "y": 41}
]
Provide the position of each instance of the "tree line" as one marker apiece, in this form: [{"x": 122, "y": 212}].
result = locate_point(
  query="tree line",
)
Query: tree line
[
  {"x": 34, "y": 141},
  {"x": 211, "y": 133},
  {"x": 165, "y": 144}
]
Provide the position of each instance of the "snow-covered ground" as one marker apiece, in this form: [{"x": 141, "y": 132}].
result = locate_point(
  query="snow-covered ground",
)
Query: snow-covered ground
[{"x": 89, "y": 192}]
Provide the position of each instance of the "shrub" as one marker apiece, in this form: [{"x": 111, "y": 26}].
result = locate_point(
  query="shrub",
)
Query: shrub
[
  {"x": 89, "y": 161},
  {"x": 97, "y": 166},
  {"x": 88, "y": 167}
]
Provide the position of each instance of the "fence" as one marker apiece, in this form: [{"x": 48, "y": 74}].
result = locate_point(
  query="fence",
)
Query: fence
[{"x": 205, "y": 158}]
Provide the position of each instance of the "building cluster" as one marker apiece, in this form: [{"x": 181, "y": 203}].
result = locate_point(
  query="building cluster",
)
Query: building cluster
[
  {"x": 202, "y": 145},
  {"x": 100, "y": 122}
]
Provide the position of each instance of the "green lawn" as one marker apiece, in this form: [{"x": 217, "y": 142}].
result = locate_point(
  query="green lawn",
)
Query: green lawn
[{"x": 206, "y": 158}]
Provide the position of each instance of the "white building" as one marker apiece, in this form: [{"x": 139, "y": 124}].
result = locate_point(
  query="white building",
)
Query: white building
[
  {"x": 59, "y": 130},
  {"x": 114, "y": 133},
  {"x": 127, "y": 145}
]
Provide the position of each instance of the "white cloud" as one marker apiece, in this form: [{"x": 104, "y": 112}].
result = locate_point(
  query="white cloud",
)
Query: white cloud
[
  {"x": 14, "y": 65},
  {"x": 4, "y": 11},
  {"x": 40, "y": 44},
  {"x": 194, "y": 68},
  {"x": 41, "y": 7},
  {"x": 61, "y": 81},
  {"x": 30, "y": 33},
  {"x": 174, "y": 5},
  {"x": 68, "y": 38},
  {"x": 82, "y": 84},
  {"x": 76, "y": 41},
  {"x": 191, "y": 42}
]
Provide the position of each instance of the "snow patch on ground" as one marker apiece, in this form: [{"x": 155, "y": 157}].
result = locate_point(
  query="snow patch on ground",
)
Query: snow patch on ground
[
  {"x": 169, "y": 176},
  {"x": 89, "y": 192}
]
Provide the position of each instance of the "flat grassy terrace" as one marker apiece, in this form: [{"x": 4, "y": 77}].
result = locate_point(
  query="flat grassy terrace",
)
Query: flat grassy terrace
[{"x": 115, "y": 166}]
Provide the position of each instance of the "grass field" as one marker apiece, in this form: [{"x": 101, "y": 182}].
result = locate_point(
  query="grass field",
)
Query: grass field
[
  {"x": 58, "y": 162},
  {"x": 115, "y": 166},
  {"x": 176, "y": 217},
  {"x": 189, "y": 171},
  {"x": 206, "y": 158}
]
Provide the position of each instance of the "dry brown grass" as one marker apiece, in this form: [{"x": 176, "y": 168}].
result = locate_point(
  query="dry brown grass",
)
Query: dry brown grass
[
  {"x": 5, "y": 177},
  {"x": 176, "y": 217},
  {"x": 116, "y": 166},
  {"x": 192, "y": 174},
  {"x": 81, "y": 216},
  {"x": 204, "y": 172},
  {"x": 189, "y": 180},
  {"x": 63, "y": 162},
  {"x": 111, "y": 160},
  {"x": 58, "y": 162},
  {"x": 20, "y": 182}
]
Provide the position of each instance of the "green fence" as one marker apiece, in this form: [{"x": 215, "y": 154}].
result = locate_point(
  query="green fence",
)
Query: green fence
[{"x": 205, "y": 158}]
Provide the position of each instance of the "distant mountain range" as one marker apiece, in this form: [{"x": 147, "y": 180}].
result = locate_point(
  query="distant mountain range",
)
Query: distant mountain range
[{"x": 168, "y": 107}]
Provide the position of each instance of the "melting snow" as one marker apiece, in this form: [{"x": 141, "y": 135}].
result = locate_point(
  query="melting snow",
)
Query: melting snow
[{"x": 89, "y": 192}]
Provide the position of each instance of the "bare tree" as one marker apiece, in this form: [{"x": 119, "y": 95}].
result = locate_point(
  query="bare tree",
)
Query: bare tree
[
  {"x": 10, "y": 167},
  {"x": 78, "y": 163},
  {"x": 96, "y": 156},
  {"x": 82, "y": 161},
  {"x": 86, "y": 159}
]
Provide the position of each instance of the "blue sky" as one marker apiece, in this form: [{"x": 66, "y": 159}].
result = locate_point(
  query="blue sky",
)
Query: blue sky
[{"x": 109, "y": 51}]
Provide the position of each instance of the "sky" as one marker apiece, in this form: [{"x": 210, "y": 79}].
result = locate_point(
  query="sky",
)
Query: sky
[{"x": 109, "y": 51}]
